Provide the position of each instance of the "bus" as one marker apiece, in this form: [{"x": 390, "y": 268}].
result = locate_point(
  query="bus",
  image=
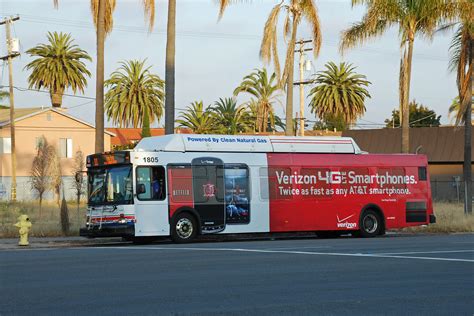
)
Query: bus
[{"x": 185, "y": 185}]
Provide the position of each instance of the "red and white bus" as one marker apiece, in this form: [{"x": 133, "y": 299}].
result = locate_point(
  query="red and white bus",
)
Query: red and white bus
[{"x": 185, "y": 185}]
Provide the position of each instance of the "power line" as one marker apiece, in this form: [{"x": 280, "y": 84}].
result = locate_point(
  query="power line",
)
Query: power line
[
  {"x": 143, "y": 30},
  {"x": 45, "y": 91}
]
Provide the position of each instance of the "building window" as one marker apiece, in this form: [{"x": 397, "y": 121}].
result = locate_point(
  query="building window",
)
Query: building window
[
  {"x": 6, "y": 145},
  {"x": 65, "y": 148}
]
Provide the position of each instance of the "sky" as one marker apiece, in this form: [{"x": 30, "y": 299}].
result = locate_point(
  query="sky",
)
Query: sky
[{"x": 213, "y": 56}]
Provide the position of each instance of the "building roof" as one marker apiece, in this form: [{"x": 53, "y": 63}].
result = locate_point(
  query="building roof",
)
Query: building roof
[
  {"x": 441, "y": 144},
  {"x": 18, "y": 114},
  {"x": 245, "y": 143},
  {"x": 23, "y": 113},
  {"x": 126, "y": 136}
]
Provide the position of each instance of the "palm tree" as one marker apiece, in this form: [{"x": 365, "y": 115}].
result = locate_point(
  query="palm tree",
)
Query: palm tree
[
  {"x": 197, "y": 119},
  {"x": 462, "y": 62},
  {"x": 59, "y": 66},
  {"x": 102, "y": 13},
  {"x": 412, "y": 17},
  {"x": 230, "y": 118},
  {"x": 265, "y": 90},
  {"x": 455, "y": 114},
  {"x": 170, "y": 67},
  {"x": 340, "y": 92},
  {"x": 135, "y": 96},
  {"x": 296, "y": 11}
]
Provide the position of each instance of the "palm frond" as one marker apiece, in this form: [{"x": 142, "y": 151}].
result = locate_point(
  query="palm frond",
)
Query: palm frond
[
  {"x": 149, "y": 11},
  {"x": 360, "y": 33},
  {"x": 339, "y": 92},
  {"x": 264, "y": 90},
  {"x": 310, "y": 12},
  {"x": 133, "y": 93},
  {"x": 109, "y": 11},
  {"x": 269, "y": 34},
  {"x": 59, "y": 65}
]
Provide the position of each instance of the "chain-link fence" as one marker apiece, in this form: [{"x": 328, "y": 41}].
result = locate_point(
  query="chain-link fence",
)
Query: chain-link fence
[{"x": 448, "y": 190}]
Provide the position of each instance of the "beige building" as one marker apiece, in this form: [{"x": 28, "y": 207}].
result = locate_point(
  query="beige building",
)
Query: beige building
[{"x": 65, "y": 132}]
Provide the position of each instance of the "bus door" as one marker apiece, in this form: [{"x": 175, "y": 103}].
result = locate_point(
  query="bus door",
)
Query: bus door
[
  {"x": 208, "y": 193},
  {"x": 151, "y": 202}
]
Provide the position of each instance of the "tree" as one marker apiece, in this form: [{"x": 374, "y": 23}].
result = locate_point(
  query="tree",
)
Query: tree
[
  {"x": 340, "y": 92},
  {"x": 197, "y": 119},
  {"x": 331, "y": 122},
  {"x": 170, "y": 67},
  {"x": 4, "y": 95},
  {"x": 230, "y": 118},
  {"x": 102, "y": 13},
  {"x": 135, "y": 96},
  {"x": 462, "y": 62},
  {"x": 265, "y": 91},
  {"x": 412, "y": 17},
  {"x": 55, "y": 174},
  {"x": 79, "y": 184},
  {"x": 146, "y": 132},
  {"x": 64, "y": 216},
  {"x": 39, "y": 174},
  {"x": 454, "y": 113},
  {"x": 59, "y": 66},
  {"x": 296, "y": 12},
  {"x": 420, "y": 116}
]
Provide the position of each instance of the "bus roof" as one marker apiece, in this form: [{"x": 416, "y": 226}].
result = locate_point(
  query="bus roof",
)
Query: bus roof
[{"x": 245, "y": 143}]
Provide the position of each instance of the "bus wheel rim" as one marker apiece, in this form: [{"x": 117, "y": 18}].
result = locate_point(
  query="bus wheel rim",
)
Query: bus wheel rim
[
  {"x": 370, "y": 223},
  {"x": 184, "y": 228}
]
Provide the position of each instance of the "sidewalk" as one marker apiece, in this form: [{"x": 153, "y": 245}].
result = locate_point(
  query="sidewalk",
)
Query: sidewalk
[{"x": 56, "y": 242}]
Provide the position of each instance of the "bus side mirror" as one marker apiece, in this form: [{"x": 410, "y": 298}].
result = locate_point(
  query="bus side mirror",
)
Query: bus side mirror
[{"x": 141, "y": 188}]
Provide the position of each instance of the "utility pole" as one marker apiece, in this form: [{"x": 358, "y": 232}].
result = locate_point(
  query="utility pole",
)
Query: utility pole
[
  {"x": 301, "y": 83},
  {"x": 8, "y": 21}
]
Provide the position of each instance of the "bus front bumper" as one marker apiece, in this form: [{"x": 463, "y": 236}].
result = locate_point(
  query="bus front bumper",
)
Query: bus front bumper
[{"x": 108, "y": 231}]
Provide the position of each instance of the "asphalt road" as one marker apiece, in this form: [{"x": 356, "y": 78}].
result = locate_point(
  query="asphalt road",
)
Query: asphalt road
[{"x": 399, "y": 275}]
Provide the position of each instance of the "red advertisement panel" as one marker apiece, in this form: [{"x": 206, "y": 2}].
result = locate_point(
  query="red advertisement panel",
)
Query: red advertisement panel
[
  {"x": 328, "y": 191},
  {"x": 180, "y": 182}
]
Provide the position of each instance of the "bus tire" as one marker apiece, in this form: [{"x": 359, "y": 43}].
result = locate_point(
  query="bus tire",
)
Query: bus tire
[
  {"x": 371, "y": 224},
  {"x": 184, "y": 228}
]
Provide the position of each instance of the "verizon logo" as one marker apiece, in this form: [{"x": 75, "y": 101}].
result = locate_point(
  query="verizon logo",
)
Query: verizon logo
[{"x": 342, "y": 223}]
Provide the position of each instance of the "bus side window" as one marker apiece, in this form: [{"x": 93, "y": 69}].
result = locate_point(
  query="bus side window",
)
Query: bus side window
[
  {"x": 279, "y": 183},
  {"x": 152, "y": 179},
  {"x": 422, "y": 176}
]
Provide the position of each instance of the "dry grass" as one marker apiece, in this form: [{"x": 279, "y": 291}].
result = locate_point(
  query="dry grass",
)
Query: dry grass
[
  {"x": 49, "y": 223},
  {"x": 450, "y": 218}
]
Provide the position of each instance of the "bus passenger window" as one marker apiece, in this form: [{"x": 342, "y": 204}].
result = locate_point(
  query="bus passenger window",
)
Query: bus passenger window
[{"x": 152, "y": 179}]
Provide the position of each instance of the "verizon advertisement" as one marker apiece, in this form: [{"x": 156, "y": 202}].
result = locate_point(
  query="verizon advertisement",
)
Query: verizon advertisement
[{"x": 323, "y": 182}]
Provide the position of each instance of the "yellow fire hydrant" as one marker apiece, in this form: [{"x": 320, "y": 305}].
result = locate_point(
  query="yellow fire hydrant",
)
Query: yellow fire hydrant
[{"x": 24, "y": 225}]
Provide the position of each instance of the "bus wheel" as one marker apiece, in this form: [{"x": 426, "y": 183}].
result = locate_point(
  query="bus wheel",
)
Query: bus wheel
[
  {"x": 370, "y": 224},
  {"x": 184, "y": 228}
]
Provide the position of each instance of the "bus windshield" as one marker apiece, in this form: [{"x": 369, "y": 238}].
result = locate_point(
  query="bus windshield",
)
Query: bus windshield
[{"x": 111, "y": 185}]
